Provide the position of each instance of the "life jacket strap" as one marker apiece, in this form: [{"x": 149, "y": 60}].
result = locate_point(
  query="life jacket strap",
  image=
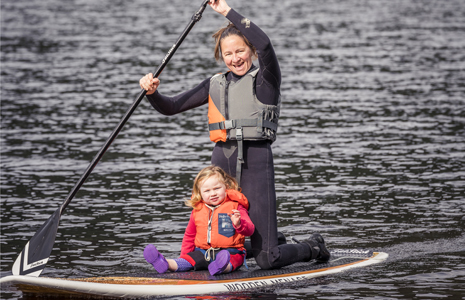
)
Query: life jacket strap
[
  {"x": 240, "y": 155},
  {"x": 210, "y": 254},
  {"x": 239, "y": 123}
]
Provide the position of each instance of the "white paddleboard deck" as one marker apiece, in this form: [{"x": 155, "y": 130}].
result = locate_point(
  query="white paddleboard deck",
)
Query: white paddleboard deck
[{"x": 192, "y": 283}]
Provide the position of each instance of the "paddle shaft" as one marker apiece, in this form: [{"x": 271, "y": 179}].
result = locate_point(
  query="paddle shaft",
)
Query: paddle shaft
[
  {"x": 195, "y": 18},
  {"x": 35, "y": 255}
]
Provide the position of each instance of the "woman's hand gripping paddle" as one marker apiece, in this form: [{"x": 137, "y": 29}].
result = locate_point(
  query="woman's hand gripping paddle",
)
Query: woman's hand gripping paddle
[{"x": 32, "y": 260}]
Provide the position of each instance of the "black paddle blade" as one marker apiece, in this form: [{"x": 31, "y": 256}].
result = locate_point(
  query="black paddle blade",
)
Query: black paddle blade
[{"x": 35, "y": 255}]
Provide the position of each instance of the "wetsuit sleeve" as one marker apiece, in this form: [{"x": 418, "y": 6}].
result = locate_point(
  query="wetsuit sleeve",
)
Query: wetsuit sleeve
[
  {"x": 268, "y": 79},
  {"x": 188, "y": 240},
  {"x": 187, "y": 100},
  {"x": 247, "y": 227}
]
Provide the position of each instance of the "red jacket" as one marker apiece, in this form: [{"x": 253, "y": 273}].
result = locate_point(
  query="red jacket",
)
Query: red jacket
[{"x": 223, "y": 234}]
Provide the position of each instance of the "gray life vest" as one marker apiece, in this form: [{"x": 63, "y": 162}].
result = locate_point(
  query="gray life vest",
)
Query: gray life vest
[{"x": 235, "y": 113}]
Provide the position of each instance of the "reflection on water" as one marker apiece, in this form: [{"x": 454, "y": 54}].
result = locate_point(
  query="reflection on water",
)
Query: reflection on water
[{"x": 371, "y": 150}]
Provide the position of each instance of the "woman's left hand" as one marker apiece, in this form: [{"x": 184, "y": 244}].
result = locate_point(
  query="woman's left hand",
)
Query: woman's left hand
[
  {"x": 220, "y": 6},
  {"x": 235, "y": 217}
]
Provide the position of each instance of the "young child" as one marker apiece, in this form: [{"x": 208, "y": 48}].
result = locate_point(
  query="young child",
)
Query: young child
[{"x": 218, "y": 225}]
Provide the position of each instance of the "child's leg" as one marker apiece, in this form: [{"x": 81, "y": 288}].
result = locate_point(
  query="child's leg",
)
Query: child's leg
[
  {"x": 161, "y": 264},
  {"x": 172, "y": 265},
  {"x": 182, "y": 265},
  {"x": 236, "y": 260},
  {"x": 197, "y": 259}
]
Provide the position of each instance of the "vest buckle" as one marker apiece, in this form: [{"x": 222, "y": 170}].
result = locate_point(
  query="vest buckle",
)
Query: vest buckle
[
  {"x": 239, "y": 134},
  {"x": 229, "y": 124}
]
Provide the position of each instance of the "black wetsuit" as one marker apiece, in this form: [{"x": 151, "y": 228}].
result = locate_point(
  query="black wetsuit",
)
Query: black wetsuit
[{"x": 257, "y": 180}]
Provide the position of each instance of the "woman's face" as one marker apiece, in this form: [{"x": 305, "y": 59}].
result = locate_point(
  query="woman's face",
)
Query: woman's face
[{"x": 236, "y": 54}]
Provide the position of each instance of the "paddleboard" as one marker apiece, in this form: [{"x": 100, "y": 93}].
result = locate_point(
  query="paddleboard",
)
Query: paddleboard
[{"x": 192, "y": 283}]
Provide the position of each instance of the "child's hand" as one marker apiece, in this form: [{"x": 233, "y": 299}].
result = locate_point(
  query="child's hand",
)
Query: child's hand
[{"x": 235, "y": 217}]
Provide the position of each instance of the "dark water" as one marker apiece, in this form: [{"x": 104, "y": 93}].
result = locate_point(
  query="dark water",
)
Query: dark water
[{"x": 371, "y": 150}]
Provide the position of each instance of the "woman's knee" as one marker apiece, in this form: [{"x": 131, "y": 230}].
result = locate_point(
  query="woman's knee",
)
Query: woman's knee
[
  {"x": 268, "y": 260},
  {"x": 262, "y": 261}
]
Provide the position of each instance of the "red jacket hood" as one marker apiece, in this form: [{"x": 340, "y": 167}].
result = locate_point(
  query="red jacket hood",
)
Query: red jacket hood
[{"x": 237, "y": 196}]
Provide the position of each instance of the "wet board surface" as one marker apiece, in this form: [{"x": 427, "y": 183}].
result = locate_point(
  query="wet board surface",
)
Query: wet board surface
[{"x": 192, "y": 283}]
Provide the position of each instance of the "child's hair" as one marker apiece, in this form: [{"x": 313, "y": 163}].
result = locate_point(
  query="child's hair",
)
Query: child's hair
[
  {"x": 224, "y": 32},
  {"x": 229, "y": 181}
]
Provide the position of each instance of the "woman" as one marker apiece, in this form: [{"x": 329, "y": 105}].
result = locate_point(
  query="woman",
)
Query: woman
[{"x": 243, "y": 115}]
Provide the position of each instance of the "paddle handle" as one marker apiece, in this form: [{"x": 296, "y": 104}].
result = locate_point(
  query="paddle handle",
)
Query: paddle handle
[{"x": 195, "y": 18}]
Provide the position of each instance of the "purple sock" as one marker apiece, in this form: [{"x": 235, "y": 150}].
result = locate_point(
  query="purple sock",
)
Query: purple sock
[{"x": 183, "y": 265}]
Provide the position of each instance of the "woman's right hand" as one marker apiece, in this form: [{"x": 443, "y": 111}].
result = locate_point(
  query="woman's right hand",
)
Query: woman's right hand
[
  {"x": 149, "y": 83},
  {"x": 220, "y": 6}
]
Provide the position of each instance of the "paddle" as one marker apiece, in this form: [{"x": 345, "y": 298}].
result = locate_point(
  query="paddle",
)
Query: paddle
[{"x": 32, "y": 260}]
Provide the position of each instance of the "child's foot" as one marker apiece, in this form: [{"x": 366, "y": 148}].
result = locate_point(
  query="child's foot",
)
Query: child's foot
[
  {"x": 155, "y": 258},
  {"x": 220, "y": 263}
]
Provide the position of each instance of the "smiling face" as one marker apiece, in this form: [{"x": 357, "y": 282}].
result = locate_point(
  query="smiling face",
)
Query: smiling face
[
  {"x": 213, "y": 191},
  {"x": 236, "y": 54}
]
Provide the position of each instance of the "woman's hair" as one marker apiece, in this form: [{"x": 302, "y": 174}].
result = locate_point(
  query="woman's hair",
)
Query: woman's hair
[
  {"x": 225, "y": 32},
  {"x": 204, "y": 174}
]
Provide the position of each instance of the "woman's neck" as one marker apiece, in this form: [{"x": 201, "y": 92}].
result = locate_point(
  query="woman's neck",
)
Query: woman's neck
[{"x": 234, "y": 77}]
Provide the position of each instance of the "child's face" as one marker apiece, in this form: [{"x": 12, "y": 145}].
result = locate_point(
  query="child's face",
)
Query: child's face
[{"x": 213, "y": 191}]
